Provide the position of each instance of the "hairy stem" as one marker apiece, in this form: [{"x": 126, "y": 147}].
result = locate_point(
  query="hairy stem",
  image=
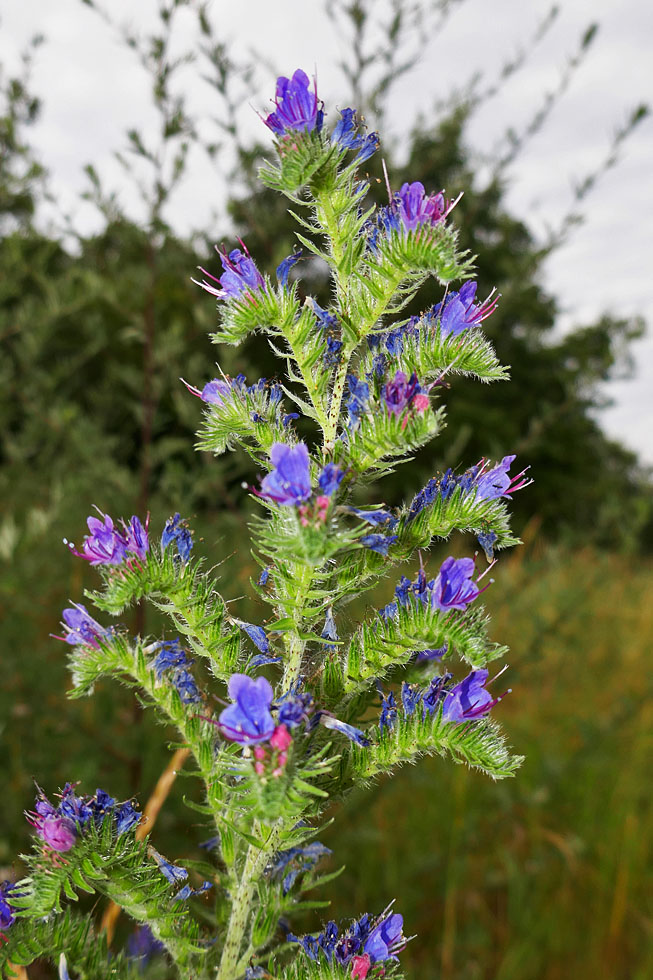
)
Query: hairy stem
[{"x": 241, "y": 906}]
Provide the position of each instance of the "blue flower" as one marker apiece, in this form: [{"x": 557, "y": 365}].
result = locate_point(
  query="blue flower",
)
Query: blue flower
[
  {"x": 329, "y": 479},
  {"x": 7, "y": 910},
  {"x": 332, "y": 352},
  {"x": 453, "y": 588},
  {"x": 171, "y": 654},
  {"x": 283, "y": 269},
  {"x": 378, "y": 542},
  {"x": 290, "y": 481},
  {"x": 248, "y": 720},
  {"x": 188, "y": 891},
  {"x": 288, "y": 418},
  {"x": 184, "y": 683},
  {"x": 264, "y": 576},
  {"x": 434, "y": 654},
  {"x": 126, "y": 816},
  {"x": 410, "y": 698},
  {"x": 325, "y": 321},
  {"x": 176, "y": 530},
  {"x": 329, "y": 632},
  {"x": 379, "y": 518},
  {"x": 434, "y": 694},
  {"x": 260, "y": 660},
  {"x": 353, "y": 734},
  {"x": 388, "y": 717},
  {"x": 346, "y": 136},
  {"x": 297, "y": 109},
  {"x": 487, "y": 541},
  {"x": 256, "y": 634},
  {"x": 142, "y": 945},
  {"x": 172, "y": 872},
  {"x": 357, "y": 402},
  {"x": 298, "y": 860}
]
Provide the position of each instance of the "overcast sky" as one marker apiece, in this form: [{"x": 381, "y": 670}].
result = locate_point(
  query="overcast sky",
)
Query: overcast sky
[{"x": 93, "y": 90}]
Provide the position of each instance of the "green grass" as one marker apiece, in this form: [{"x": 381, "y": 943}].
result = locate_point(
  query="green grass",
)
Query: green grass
[{"x": 547, "y": 875}]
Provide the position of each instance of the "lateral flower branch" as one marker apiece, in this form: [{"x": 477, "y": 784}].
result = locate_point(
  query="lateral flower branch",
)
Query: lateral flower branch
[{"x": 313, "y": 706}]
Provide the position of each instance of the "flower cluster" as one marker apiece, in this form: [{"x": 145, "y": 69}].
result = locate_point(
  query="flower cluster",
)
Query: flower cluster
[
  {"x": 59, "y": 827},
  {"x": 250, "y": 721},
  {"x": 365, "y": 943},
  {"x": 346, "y": 136},
  {"x": 110, "y": 545},
  {"x": 464, "y": 702},
  {"x": 289, "y": 483},
  {"x": 487, "y": 483},
  {"x": 172, "y": 660},
  {"x": 401, "y": 393}
]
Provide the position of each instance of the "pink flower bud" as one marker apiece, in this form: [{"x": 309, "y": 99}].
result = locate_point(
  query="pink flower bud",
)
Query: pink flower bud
[
  {"x": 281, "y": 738},
  {"x": 322, "y": 502},
  {"x": 421, "y": 402},
  {"x": 259, "y": 768},
  {"x": 259, "y": 753},
  {"x": 360, "y": 967}
]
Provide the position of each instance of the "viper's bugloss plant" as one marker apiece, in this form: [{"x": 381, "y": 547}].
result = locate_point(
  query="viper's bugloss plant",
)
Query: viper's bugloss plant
[{"x": 314, "y": 705}]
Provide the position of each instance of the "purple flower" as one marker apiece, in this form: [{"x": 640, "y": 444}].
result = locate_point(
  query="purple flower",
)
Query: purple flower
[
  {"x": 288, "y": 418},
  {"x": 386, "y": 939},
  {"x": 264, "y": 576},
  {"x": 176, "y": 530},
  {"x": 468, "y": 700},
  {"x": 329, "y": 479},
  {"x": 378, "y": 542},
  {"x": 283, "y": 269},
  {"x": 240, "y": 276},
  {"x": 435, "y": 654},
  {"x": 215, "y": 392},
  {"x": 290, "y": 481},
  {"x": 496, "y": 482},
  {"x": 399, "y": 393},
  {"x": 260, "y": 660},
  {"x": 354, "y": 734},
  {"x": 104, "y": 545},
  {"x": 82, "y": 629},
  {"x": 415, "y": 209},
  {"x": 453, "y": 588},
  {"x": 59, "y": 833},
  {"x": 458, "y": 311},
  {"x": 248, "y": 720},
  {"x": 137, "y": 537},
  {"x": 297, "y": 109},
  {"x": 487, "y": 541}
]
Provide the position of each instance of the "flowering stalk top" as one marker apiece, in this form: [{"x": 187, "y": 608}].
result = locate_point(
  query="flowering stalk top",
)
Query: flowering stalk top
[{"x": 297, "y": 108}]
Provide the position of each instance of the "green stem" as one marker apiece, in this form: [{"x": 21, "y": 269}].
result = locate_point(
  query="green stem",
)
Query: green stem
[
  {"x": 296, "y": 645},
  {"x": 337, "y": 394},
  {"x": 241, "y": 906}
]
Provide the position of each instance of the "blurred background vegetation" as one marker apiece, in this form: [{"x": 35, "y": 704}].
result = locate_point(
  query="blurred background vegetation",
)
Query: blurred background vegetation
[{"x": 547, "y": 876}]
